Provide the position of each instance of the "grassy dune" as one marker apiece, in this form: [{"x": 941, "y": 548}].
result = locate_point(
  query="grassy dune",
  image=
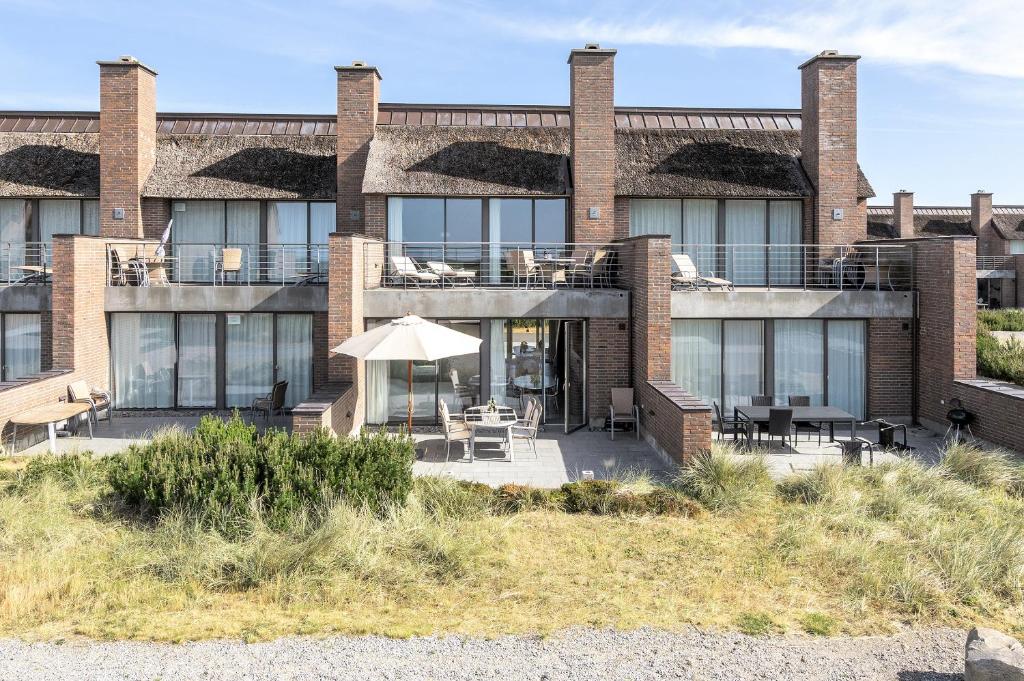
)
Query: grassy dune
[{"x": 840, "y": 550}]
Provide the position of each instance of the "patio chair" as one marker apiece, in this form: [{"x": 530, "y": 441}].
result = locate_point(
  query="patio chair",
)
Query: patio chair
[
  {"x": 451, "y": 275},
  {"x": 761, "y": 401},
  {"x": 887, "y": 436},
  {"x": 526, "y": 428},
  {"x": 622, "y": 410},
  {"x": 603, "y": 266},
  {"x": 272, "y": 403},
  {"x": 524, "y": 268},
  {"x": 780, "y": 424},
  {"x": 125, "y": 269},
  {"x": 455, "y": 430},
  {"x": 465, "y": 393},
  {"x": 806, "y": 426},
  {"x": 734, "y": 427},
  {"x": 98, "y": 400},
  {"x": 229, "y": 262},
  {"x": 405, "y": 270},
  {"x": 684, "y": 273}
]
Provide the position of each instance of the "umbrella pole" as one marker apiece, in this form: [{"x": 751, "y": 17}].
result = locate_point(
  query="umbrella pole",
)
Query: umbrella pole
[{"x": 410, "y": 395}]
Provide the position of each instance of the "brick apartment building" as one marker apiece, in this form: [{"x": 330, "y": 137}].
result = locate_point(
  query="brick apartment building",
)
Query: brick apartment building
[{"x": 547, "y": 231}]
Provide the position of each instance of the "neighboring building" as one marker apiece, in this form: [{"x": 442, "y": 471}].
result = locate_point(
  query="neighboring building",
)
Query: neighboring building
[
  {"x": 289, "y": 232},
  {"x": 999, "y": 231}
]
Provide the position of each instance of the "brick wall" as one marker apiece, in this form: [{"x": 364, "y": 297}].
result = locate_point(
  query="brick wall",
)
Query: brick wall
[
  {"x": 592, "y": 143},
  {"x": 997, "y": 407},
  {"x": 127, "y": 143},
  {"x": 1018, "y": 262},
  {"x": 333, "y": 406},
  {"x": 321, "y": 350},
  {"x": 678, "y": 424},
  {"x": 947, "y": 321},
  {"x": 829, "y": 146},
  {"x": 608, "y": 362},
  {"x": 621, "y": 230},
  {"x": 376, "y": 216},
  {"x": 345, "y": 312},
  {"x": 890, "y": 369},
  {"x": 156, "y": 213},
  {"x": 903, "y": 214},
  {"x": 45, "y": 340},
  {"x": 358, "y": 96},
  {"x": 989, "y": 241}
]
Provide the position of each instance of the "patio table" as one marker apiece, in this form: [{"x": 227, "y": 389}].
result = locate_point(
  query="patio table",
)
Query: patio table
[
  {"x": 502, "y": 420},
  {"x": 49, "y": 415},
  {"x": 829, "y": 415}
]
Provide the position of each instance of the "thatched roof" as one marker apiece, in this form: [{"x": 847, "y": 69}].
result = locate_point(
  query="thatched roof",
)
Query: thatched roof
[
  {"x": 49, "y": 164},
  {"x": 472, "y": 161},
  {"x": 243, "y": 167},
  {"x": 928, "y": 221},
  {"x": 1009, "y": 222}
]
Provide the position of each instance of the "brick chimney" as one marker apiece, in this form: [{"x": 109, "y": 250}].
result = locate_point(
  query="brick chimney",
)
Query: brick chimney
[
  {"x": 989, "y": 243},
  {"x": 903, "y": 213},
  {"x": 592, "y": 142},
  {"x": 358, "y": 97},
  {"x": 127, "y": 143},
  {"x": 828, "y": 86}
]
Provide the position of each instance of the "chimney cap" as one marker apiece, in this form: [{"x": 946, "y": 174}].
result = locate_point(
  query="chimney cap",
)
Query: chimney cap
[
  {"x": 829, "y": 54},
  {"x": 358, "y": 65},
  {"x": 903, "y": 191},
  {"x": 591, "y": 48},
  {"x": 125, "y": 60},
  {"x": 982, "y": 192}
]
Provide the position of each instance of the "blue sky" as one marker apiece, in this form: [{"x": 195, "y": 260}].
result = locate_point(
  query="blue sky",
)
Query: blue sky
[{"x": 941, "y": 82}]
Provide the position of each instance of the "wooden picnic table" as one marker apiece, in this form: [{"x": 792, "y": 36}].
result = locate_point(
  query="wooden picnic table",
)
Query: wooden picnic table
[{"x": 49, "y": 415}]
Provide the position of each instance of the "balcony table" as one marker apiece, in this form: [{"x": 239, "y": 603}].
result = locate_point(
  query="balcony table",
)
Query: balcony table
[
  {"x": 829, "y": 415},
  {"x": 35, "y": 274},
  {"x": 49, "y": 415}
]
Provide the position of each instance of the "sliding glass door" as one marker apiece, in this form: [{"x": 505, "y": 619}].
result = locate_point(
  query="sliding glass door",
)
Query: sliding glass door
[
  {"x": 21, "y": 345},
  {"x": 197, "y": 360},
  {"x": 142, "y": 359},
  {"x": 799, "y": 360}
]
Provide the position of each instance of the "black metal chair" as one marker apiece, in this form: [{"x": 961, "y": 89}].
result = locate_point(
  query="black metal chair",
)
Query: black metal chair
[
  {"x": 734, "y": 427},
  {"x": 272, "y": 403},
  {"x": 887, "y": 436},
  {"x": 761, "y": 401},
  {"x": 806, "y": 426},
  {"x": 780, "y": 424}
]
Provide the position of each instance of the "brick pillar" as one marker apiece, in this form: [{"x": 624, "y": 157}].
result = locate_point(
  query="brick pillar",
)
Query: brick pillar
[
  {"x": 947, "y": 321},
  {"x": 903, "y": 214},
  {"x": 358, "y": 97},
  {"x": 345, "y": 311},
  {"x": 829, "y": 145},
  {"x": 80, "y": 340},
  {"x": 989, "y": 242},
  {"x": 592, "y": 143},
  {"x": 127, "y": 143},
  {"x": 1018, "y": 263}
]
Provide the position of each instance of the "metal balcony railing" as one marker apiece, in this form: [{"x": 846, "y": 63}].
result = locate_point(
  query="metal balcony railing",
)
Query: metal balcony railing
[
  {"x": 142, "y": 263},
  {"x": 803, "y": 266},
  {"x": 490, "y": 265},
  {"x": 24, "y": 263},
  {"x": 995, "y": 262}
]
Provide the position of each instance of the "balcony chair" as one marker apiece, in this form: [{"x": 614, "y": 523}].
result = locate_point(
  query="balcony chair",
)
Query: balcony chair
[
  {"x": 734, "y": 427},
  {"x": 455, "y": 430},
  {"x": 761, "y": 401},
  {"x": 405, "y": 271},
  {"x": 526, "y": 428},
  {"x": 272, "y": 403},
  {"x": 450, "y": 275},
  {"x": 684, "y": 274},
  {"x": 622, "y": 410},
  {"x": 806, "y": 426},
  {"x": 98, "y": 400},
  {"x": 229, "y": 262},
  {"x": 125, "y": 268},
  {"x": 684, "y": 265},
  {"x": 780, "y": 424},
  {"x": 524, "y": 269}
]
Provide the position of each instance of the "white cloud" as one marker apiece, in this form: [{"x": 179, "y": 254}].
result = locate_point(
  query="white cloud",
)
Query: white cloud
[{"x": 982, "y": 37}]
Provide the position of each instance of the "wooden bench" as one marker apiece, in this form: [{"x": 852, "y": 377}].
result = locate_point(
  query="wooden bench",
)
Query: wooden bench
[{"x": 50, "y": 415}]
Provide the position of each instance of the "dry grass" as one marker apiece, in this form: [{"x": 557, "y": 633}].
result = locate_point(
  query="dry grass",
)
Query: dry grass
[{"x": 839, "y": 551}]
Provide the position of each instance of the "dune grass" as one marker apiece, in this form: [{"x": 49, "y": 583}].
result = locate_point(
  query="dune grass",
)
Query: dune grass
[{"x": 839, "y": 550}]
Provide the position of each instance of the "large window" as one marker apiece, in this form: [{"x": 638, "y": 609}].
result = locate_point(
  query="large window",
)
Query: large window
[
  {"x": 163, "y": 360},
  {"x": 470, "y": 221},
  {"x": 735, "y": 359},
  {"x": 25, "y": 221},
  {"x": 20, "y": 343}
]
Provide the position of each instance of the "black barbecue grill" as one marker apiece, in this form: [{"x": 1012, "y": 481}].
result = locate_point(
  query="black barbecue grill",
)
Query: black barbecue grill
[{"x": 960, "y": 420}]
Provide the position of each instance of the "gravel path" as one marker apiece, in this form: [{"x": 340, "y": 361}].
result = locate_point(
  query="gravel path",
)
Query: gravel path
[{"x": 922, "y": 655}]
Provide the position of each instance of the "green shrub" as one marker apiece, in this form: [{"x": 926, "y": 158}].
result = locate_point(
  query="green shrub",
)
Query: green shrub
[
  {"x": 590, "y": 496},
  {"x": 722, "y": 480},
  {"x": 664, "y": 501},
  {"x": 818, "y": 624},
  {"x": 756, "y": 624},
  {"x": 223, "y": 467},
  {"x": 1003, "y": 361},
  {"x": 512, "y": 498},
  {"x": 1010, "y": 319}
]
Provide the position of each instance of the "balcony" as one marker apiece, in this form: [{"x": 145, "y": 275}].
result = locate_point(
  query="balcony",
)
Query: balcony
[
  {"x": 24, "y": 263},
  {"x": 996, "y": 267},
  {"x": 482, "y": 279}
]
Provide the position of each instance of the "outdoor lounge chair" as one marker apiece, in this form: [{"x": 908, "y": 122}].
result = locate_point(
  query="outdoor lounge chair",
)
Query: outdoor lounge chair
[
  {"x": 451, "y": 275},
  {"x": 686, "y": 271},
  {"x": 455, "y": 430},
  {"x": 98, "y": 400},
  {"x": 622, "y": 410},
  {"x": 404, "y": 270},
  {"x": 272, "y": 403},
  {"x": 806, "y": 426}
]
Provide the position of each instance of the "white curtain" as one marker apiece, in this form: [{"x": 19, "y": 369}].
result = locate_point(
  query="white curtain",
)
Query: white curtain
[
  {"x": 786, "y": 257},
  {"x": 395, "y": 218},
  {"x": 697, "y": 357},
  {"x": 59, "y": 216},
  {"x": 12, "y": 237},
  {"x": 197, "y": 360},
  {"x": 21, "y": 345},
  {"x": 745, "y": 237},
  {"x": 378, "y": 383},
  {"x": 295, "y": 355},
  {"x": 799, "y": 360},
  {"x": 249, "y": 357},
  {"x": 91, "y": 218},
  {"x": 743, "y": 361},
  {"x": 499, "y": 367},
  {"x": 1016, "y": 246},
  {"x": 700, "y": 231},
  {"x": 846, "y": 366},
  {"x": 142, "y": 358},
  {"x": 242, "y": 230},
  {"x": 494, "y": 263},
  {"x": 287, "y": 227},
  {"x": 656, "y": 216},
  {"x": 198, "y": 236},
  {"x": 322, "y": 222}
]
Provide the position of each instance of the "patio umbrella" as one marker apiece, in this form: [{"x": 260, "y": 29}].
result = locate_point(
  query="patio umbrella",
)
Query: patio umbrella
[{"x": 409, "y": 338}]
